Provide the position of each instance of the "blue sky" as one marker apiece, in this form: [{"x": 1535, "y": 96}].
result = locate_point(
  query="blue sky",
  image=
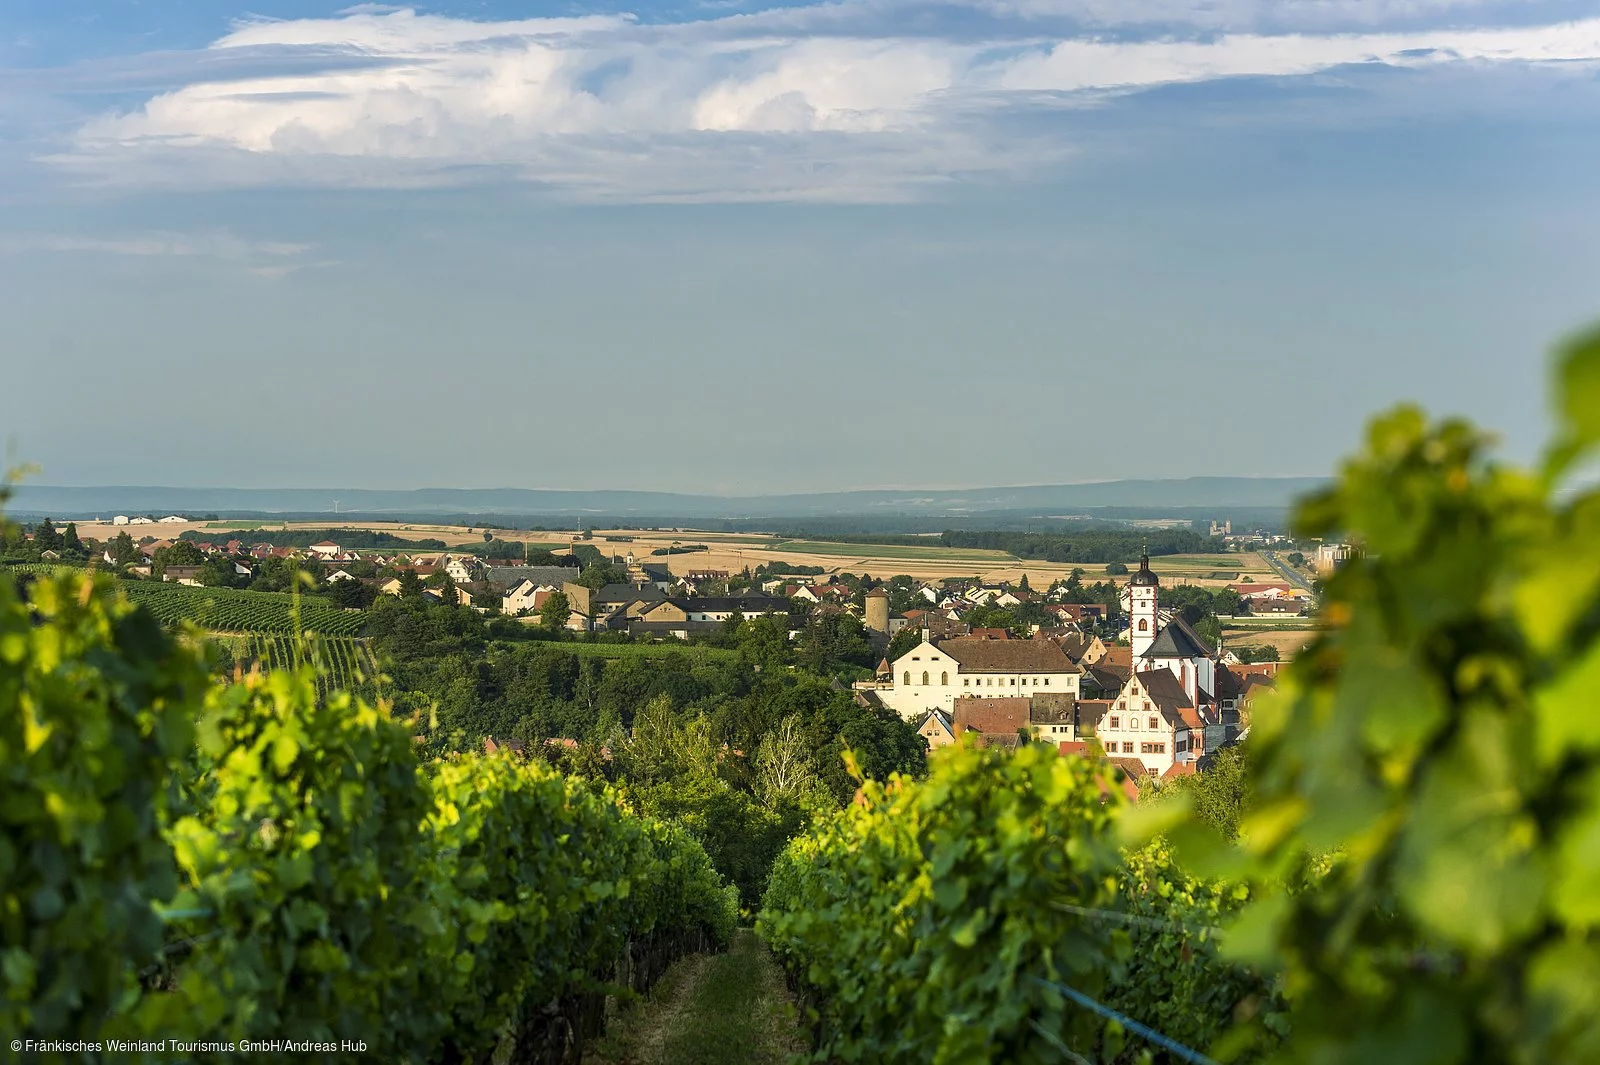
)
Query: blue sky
[{"x": 747, "y": 248}]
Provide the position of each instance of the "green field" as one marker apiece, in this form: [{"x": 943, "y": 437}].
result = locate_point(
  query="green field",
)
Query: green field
[
  {"x": 891, "y": 551},
  {"x": 232, "y": 610}
]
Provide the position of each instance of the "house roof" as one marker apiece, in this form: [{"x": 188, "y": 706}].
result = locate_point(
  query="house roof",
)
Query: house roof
[
  {"x": 627, "y": 593},
  {"x": 996, "y": 716},
  {"x": 940, "y": 719},
  {"x": 1170, "y": 698},
  {"x": 1107, "y": 678},
  {"x": 745, "y": 603},
  {"x": 1130, "y": 765},
  {"x": 1008, "y": 656},
  {"x": 1177, "y": 640},
  {"x": 1052, "y": 708},
  {"x": 1117, "y": 656}
]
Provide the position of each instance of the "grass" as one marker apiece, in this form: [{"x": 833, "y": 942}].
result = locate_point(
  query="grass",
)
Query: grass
[{"x": 719, "y": 1009}]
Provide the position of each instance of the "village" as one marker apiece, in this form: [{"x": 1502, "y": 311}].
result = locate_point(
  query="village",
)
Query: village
[{"x": 1128, "y": 676}]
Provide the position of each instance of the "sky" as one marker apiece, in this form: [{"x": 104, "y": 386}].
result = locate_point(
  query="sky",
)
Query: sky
[{"x": 754, "y": 247}]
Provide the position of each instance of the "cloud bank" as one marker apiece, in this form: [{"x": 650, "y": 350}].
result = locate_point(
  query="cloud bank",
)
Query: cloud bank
[{"x": 822, "y": 103}]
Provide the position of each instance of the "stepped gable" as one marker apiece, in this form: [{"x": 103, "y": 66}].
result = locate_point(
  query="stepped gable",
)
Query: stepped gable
[{"x": 1166, "y": 691}]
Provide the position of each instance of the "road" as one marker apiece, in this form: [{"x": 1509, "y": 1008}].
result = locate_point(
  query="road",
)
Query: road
[{"x": 1286, "y": 570}]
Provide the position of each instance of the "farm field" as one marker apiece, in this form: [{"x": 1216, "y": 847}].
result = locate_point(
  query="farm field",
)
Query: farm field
[
  {"x": 737, "y": 551},
  {"x": 1213, "y": 570},
  {"x": 1289, "y": 642},
  {"x": 894, "y": 551}
]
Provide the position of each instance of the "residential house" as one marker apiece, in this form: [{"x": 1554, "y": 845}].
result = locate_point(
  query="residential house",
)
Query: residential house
[
  {"x": 325, "y": 549},
  {"x": 462, "y": 568},
  {"x": 189, "y": 575},
  {"x": 937, "y": 729},
  {"x": 525, "y": 595}
]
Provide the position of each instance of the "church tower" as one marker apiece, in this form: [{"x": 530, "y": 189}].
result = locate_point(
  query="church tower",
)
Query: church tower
[{"x": 1143, "y": 620}]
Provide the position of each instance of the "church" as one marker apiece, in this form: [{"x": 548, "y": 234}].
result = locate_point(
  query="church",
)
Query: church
[{"x": 1163, "y": 711}]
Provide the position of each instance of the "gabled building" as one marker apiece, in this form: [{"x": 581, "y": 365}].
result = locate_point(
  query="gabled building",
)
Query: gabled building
[
  {"x": 933, "y": 674},
  {"x": 1153, "y": 719},
  {"x": 936, "y": 729}
]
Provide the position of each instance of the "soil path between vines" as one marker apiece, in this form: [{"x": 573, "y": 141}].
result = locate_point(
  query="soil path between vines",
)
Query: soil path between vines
[{"x": 708, "y": 1009}]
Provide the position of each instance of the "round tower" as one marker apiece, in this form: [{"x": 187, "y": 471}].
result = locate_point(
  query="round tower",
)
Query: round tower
[
  {"x": 878, "y": 611},
  {"x": 1143, "y": 620}
]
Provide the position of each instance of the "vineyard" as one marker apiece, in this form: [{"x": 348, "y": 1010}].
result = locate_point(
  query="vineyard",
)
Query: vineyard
[
  {"x": 1416, "y": 866},
  {"x": 233, "y": 610},
  {"x": 340, "y": 661},
  {"x": 256, "y": 861}
]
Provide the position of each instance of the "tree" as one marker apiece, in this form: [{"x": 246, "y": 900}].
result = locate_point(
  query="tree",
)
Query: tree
[
  {"x": 1296, "y": 559},
  {"x": 411, "y": 585},
  {"x": 1116, "y": 569},
  {"x": 181, "y": 553},
  {"x": 783, "y": 768},
  {"x": 70, "y": 541},
  {"x": 487, "y": 536},
  {"x": 123, "y": 551},
  {"x": 45, "y": 537},
  {"x": 554, "y": 612}
]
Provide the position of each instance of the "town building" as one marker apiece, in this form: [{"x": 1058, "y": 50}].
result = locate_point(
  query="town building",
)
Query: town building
[{"x": 933, "y": 674}]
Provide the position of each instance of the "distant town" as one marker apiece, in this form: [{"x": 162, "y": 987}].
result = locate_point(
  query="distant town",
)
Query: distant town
[{"x": 1157, "y": 661}]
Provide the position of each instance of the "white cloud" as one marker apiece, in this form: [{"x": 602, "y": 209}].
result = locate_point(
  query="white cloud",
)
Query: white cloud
[{"x": 742, "y": 107}]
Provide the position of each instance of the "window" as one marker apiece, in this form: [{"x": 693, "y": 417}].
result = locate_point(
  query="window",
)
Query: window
[
  {"x": 1024, "y": 682},
  {"x": 1121, "y": 704},
  {"x": 944, "y": 678},
  {"x": 1182, "y": 745},
  {"x": 1155, "y": 723},
  {"x": 1116, "y": 722},
  {"x": 1144, "y": 626},
  {"x": 1147, "y": 704},
  {"x": 1047, "y": 682},
  {"x": 966, "y": 682},
  {"x": 908, "y": 678},
  {"x": 1159, "y": 748},
  {"x": 924, "y": 676},
  {"x": 1013, "y": 682},
  {"x": 1127, "y": 748}
]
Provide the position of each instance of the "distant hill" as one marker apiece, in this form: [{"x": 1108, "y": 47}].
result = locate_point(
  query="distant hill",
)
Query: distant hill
[{"x": 1045, "y": 501}]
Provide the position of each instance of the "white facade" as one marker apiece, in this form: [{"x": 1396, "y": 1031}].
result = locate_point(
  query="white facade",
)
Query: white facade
[
  {"x": 1143, "y": 619},
  {"x": 928, "y": 678},
  {"x": 523, "y": 597},
  {"x": 120, "y": 519},
  {"x": 1134, "y": 727}
]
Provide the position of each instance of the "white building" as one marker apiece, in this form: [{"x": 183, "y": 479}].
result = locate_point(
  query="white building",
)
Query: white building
[
  {"x": 327, "y": 549},
  {"x": 174, "y": 519},
  {"x": 462, "y": 568},
  {"x": 525, "y": 595},
  {"x": 1154, "y": 720},
  {"x": 931, "y": 675},
  {"x": 120, "y": 519}
]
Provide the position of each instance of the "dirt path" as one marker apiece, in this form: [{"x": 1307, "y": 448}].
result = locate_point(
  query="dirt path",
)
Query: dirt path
[{"x": 709, "y": 1009}]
